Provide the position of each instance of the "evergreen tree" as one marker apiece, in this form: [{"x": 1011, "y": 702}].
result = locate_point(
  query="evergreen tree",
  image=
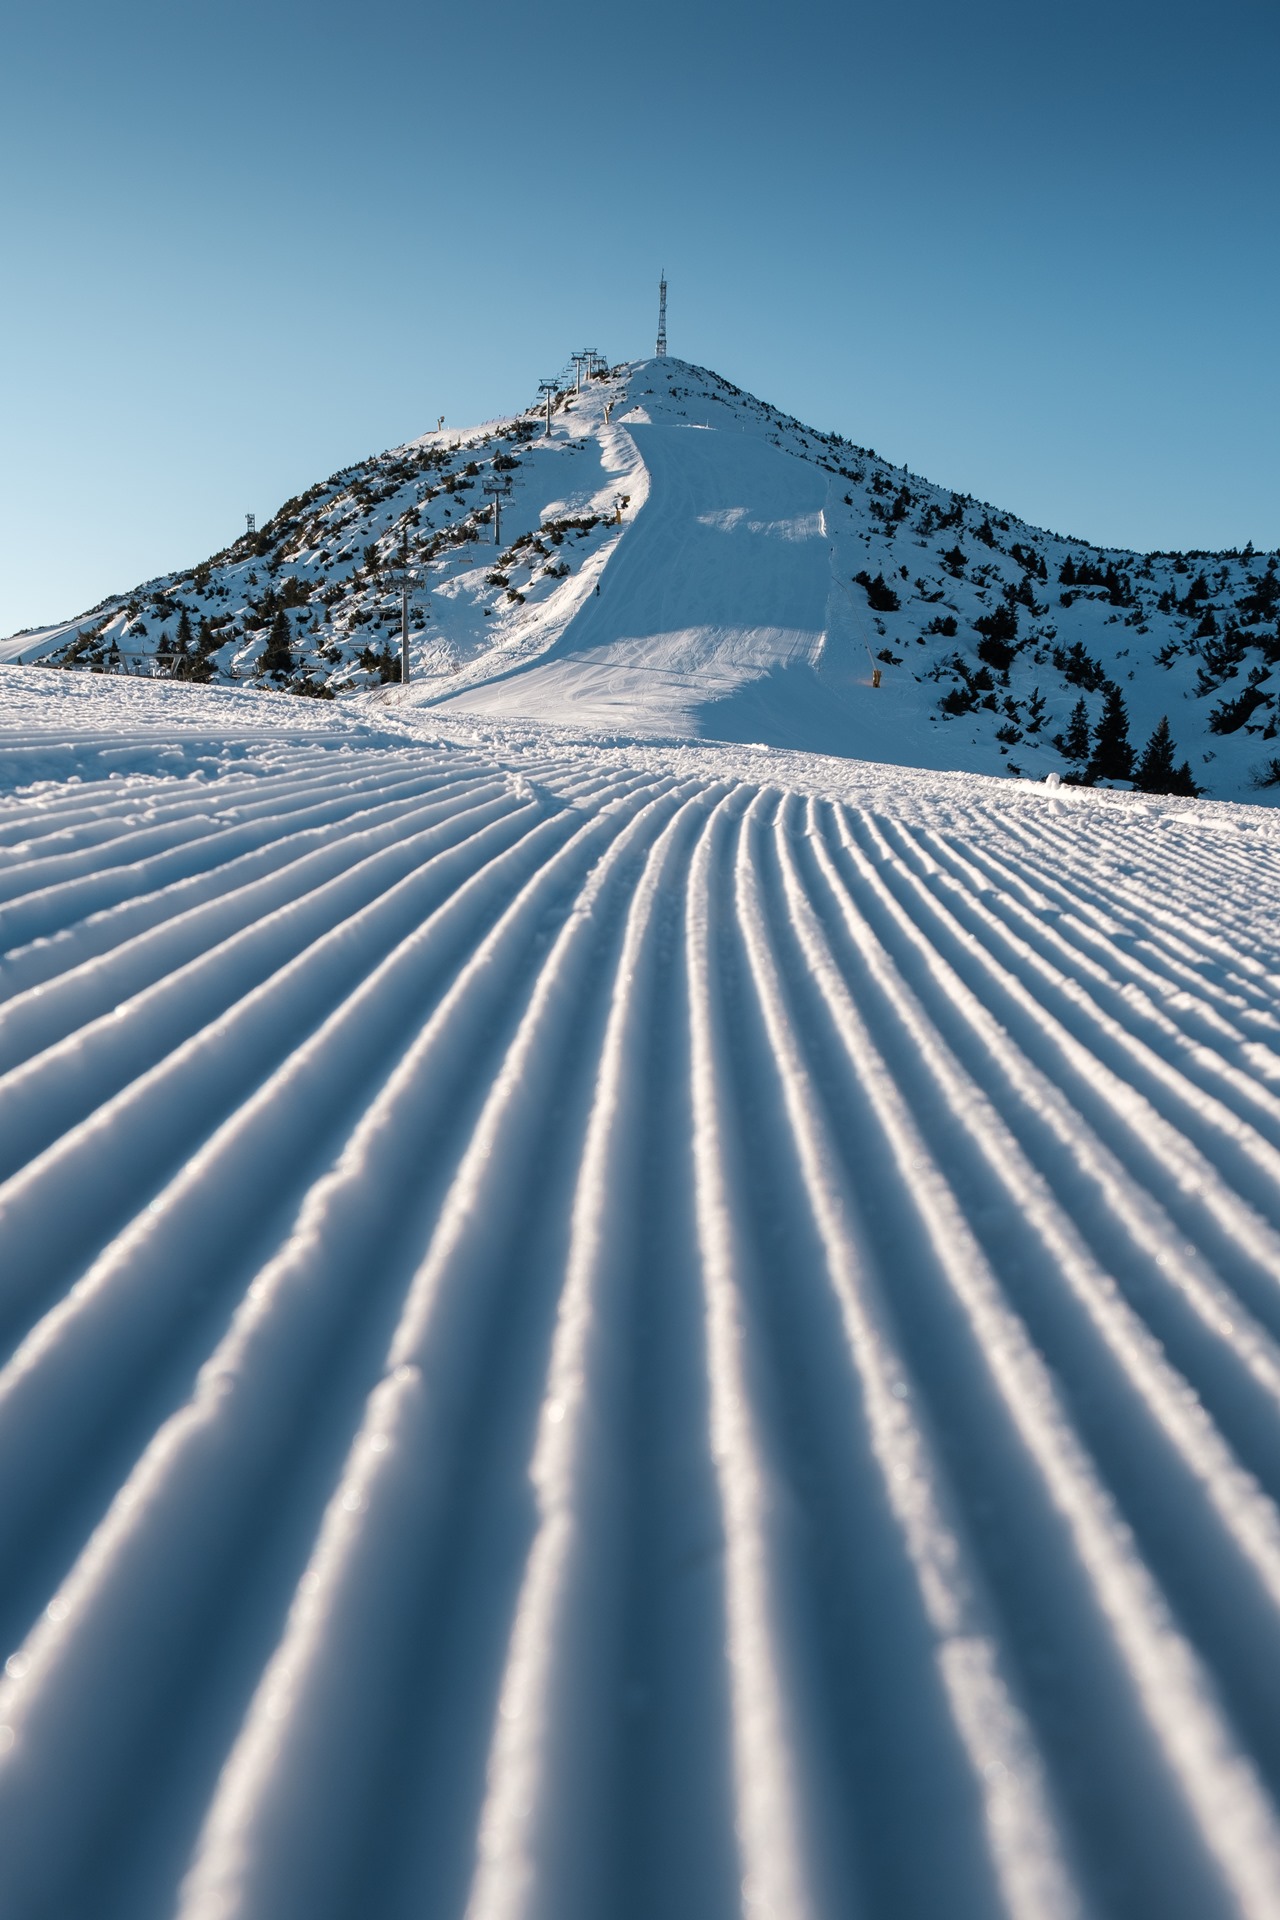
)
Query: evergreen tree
[
  {"x": 880, "y": 595},
  {"x": 206, "y": 643},
  {"x": 180, "y": 666},
  {"x": 1074, "y": 744},
  {"x": 1035, "y": 711},
  {"x": 278, "y": 655},
  {"x": 1155, "y": 770},
  {"x": 1112, "y": 753},
  {"x": 1182, "y": 782}
]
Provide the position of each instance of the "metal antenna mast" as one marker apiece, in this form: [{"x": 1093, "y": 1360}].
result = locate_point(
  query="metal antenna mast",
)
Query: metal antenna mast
[{"x": 662, "y": 312}]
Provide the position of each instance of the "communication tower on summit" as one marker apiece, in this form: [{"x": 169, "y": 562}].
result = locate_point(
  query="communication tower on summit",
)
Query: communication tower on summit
[{"x": 662, "y": 312}]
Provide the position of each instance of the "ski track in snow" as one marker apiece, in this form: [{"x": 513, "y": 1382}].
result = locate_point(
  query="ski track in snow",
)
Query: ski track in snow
[{"x": 625, "y": 1331}]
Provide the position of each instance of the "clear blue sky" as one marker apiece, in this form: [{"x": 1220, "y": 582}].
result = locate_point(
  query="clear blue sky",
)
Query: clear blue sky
[{"x": 1031, "y": 251}]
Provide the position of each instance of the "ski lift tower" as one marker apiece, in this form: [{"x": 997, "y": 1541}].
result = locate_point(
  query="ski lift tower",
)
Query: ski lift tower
[
  {"x": 578, "y": 362},
  {"x": 662, "y": 313},
  {"x": 408, "y": 580},
  {"x": 548, "y": 387},
  {"x": 498, "y": 491}
]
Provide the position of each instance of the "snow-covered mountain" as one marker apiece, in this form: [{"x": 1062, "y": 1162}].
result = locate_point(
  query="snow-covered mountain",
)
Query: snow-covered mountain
[{"x": 679, "y": 559}]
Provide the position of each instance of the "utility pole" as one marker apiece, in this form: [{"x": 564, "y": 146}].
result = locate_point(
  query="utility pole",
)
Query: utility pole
[
  {"x": 662, "y": 312},
  {"x": 406, "y": 584},
  {"x": 498, "y": 491},
  {"x": 548, "y": 387},
  {"x": 407, "y": 576}
]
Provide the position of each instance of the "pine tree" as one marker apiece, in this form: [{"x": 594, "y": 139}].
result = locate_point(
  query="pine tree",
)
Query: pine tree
[
  {"x": 278, "y": 656},
  {"x": 1074, "y": 744},
  {"x": 1112, "y": 754},
  {"x": 1155, "y": 770},
  {"x": 180, "y": 665}
]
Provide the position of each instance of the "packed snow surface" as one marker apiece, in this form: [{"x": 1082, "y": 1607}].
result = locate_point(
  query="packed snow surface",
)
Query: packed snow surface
[
  {"x": 723, "y": 583},
  {"x": 607, "y": 1327}
]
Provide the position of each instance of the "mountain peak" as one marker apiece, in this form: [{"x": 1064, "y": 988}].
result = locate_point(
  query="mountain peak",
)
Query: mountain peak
[{"x": 677, "y": 557}]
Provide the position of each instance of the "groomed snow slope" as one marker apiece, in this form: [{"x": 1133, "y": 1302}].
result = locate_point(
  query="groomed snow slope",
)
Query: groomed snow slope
[
  {"x": 627, "y": 1332},
  {"x": 719, "y": 588}
]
